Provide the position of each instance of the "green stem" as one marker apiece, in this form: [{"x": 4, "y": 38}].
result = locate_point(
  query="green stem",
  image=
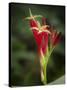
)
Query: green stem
[
  {"x": 43, "y": 63},
  {"x": 45, "y": 74},
  {"x": 49, "y": 54},
  {"x": 43, "y": 71}
]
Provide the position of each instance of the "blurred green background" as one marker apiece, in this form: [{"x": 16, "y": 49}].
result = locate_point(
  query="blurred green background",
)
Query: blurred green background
[{"x": 25, "y": 67}]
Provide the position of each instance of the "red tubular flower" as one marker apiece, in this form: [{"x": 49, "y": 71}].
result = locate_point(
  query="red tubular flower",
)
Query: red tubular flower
[
  {"x": 55, "y": 38},
  {"x": 41, "y": 38}
]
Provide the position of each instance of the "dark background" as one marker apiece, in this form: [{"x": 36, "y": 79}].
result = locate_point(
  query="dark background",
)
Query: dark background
[{"x": 25, "y": 67}]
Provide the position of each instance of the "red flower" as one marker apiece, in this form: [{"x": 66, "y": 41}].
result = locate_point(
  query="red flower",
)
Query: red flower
[
  {"x": 41, "y": 37},
  {"x": 55, "y": 37}
]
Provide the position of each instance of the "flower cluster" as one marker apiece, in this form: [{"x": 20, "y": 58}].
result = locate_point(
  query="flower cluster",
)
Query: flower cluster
[
  {"x": 45, "y": 36},
  {"x": 42, "y": 33}
]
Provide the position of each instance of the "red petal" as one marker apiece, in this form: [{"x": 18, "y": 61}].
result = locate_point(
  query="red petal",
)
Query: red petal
[
  {"x": 44, "y": 42},
  {"x": 33, "y": 23},
  {"x": 41, "y": 40}
]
